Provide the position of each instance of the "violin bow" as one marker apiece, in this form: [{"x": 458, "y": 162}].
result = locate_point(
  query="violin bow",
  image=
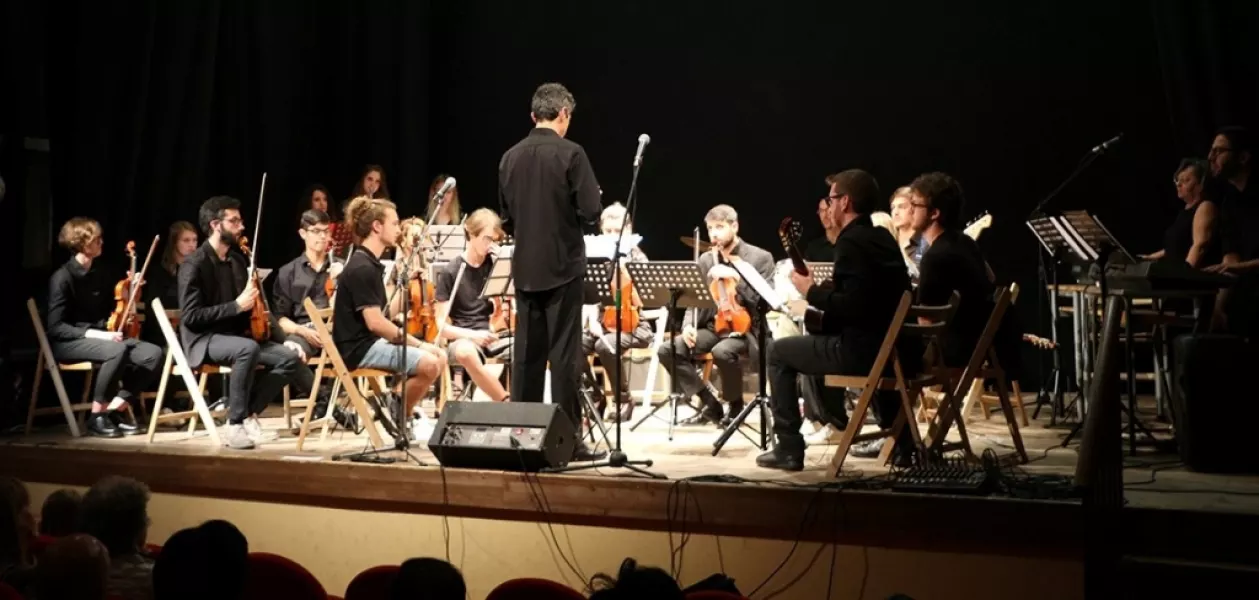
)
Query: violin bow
[
  {"x": 253, "y": 252},
  {"x": 135, "y": 283}
]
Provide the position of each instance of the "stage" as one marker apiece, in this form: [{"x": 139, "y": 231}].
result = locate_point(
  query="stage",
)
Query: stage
[{"x": 728, "y": 493}]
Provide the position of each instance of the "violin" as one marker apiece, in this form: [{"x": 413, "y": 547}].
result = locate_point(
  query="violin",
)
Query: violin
[
  {"x": 504, "y": 317},
  {"x": 732, "y": 317},
  {"x": 123, "y": 320},
  {"x": 626, "y": 306},
  {"x": 329, "y": 284},
  {"x": 422, "y": 319},
  {"x": 260, "y": 314}
]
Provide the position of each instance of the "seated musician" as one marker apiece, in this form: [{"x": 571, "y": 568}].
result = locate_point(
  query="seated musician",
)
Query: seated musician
[
  {"x": 910, "y": 241},
  {"x": 216, "y": 297},
  {"x": 305, "y": 277},
  {"x": 700, "y": 336},
  {"x": 1191, "y": 237},
  {"x": 858, "y": 306},
  {"x": 365, "y": 337},
  {"x": 80, "y": 300},
  {"x": 468, "y": 330},
  {"x": 161, "y": 279},
  {"x": 1232, "y": 160},
  {"x": 594, "y": 337},
  {"x": 451, "y": 212},
  {"x": 954, "y": 262}
]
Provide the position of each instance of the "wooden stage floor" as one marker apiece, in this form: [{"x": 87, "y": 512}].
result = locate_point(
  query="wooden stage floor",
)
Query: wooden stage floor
[{"x": 176, "y": 463}]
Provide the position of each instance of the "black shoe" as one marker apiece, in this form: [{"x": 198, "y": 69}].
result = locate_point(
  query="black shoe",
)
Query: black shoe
[
  {"x": 781, "y": 458},
  {"x": 703, "y": 418},
  {"x": 584, "y": 453},
  {"x": 870, "y": 449},
  {"x": 100, "y": 425},
  {"x": 124, "y": 427},
  {"x": 626, "y": 413}
]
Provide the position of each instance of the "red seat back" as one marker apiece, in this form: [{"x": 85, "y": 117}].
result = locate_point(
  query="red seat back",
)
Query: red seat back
[
  {"x": 534, "y": 589},
  {"x": 272, "y": 576},
  {"x": 8, "y": 593},
  {"x": 375, "y": 583}
]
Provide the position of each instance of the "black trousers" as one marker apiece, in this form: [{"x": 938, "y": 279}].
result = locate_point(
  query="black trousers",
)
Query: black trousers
[
  {"x": 548, "y": 328},
  {"x": 725, "y": 351},
  {"x": 250, "y": 391},
  {"x": 812, "y": 355},
  {"x": 132, "y": 362},
  {"x": 605, "y": 347}
]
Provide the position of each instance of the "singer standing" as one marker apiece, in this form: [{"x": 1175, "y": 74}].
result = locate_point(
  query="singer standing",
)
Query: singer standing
[{"x": 548, "y": 193}]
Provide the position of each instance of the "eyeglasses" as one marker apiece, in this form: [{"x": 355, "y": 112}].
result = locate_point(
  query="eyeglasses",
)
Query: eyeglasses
[
  {"x": 318, "y": 231},
  {"x": 233, "y": 220},
  {"x": 922, "y": 205}
]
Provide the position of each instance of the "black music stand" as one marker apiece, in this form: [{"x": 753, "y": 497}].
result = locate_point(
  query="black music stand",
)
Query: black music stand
[
  {"x": 501, "y": 286},
  {"x": 1053, "y": 239},
  {"x": 768, "y": 299},
  {"x": 595, "y": 291},
  {"x": 671, "y": 285}
]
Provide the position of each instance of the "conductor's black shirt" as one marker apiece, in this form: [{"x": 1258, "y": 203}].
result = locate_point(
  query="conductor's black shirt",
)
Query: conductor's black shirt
[{"x": 548, "y": 193}]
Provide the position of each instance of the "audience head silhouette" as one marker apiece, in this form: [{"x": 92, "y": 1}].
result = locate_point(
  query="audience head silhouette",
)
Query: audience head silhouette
[
  {"x": 115, "y": 511},
  {"x": 17, "y": 525},
  {"x": 633, "y": 582},
  {"x": 60, "y": 514},
  {"x": 428, "y": 579},
  {"x": 214, "y": 554},
  {"x": 75, "y": 567}
]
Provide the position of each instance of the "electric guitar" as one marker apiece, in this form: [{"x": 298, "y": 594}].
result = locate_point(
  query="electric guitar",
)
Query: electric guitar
[
  {"x": 789, "y": 233},
  {"x": 977, "y": 226}
]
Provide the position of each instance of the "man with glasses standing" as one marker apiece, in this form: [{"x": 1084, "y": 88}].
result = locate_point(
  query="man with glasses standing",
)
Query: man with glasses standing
[{"x": 1232, "y": 162}]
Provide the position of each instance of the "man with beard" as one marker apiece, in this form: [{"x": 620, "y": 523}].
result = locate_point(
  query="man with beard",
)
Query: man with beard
[
  {"x": 216, "y": 296},
  {"x": 1232, "y": 161}
]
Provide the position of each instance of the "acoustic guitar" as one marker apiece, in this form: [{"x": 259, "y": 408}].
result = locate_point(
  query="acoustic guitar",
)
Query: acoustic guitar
[{"x": 789, "y": 233}]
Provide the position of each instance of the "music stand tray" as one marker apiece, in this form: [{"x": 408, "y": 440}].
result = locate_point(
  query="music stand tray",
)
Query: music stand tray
[
  {"x": 445, "y": 242},
  {"x": 822, "y": 271}
]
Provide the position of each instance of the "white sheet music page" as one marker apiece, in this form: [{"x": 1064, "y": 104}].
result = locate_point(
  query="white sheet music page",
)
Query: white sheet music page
[{"x": 758, "y": 283}]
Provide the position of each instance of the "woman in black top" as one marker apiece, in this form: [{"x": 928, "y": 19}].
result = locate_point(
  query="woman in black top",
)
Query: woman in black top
[
  {"x": 1191, "y": 237},
  {"x": 80, "y": 300},
  {"x": 160, "y": 282}
]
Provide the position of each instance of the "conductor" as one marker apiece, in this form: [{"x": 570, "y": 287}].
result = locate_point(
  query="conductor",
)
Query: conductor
[{"x": 548, "y": 193}]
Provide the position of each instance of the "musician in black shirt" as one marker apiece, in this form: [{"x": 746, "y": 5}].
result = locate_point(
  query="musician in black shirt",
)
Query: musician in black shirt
[
  {"x": 469, "y": 328},
  {"x": 858, "y": 305},
  {"x": 1232, "y": 159},
  {"x": 365, "y": 338},
  {"x": 216, "y": 296},
  {"x": 1191, "y": 237},
  {"x": 305, "y": 277},
  {"x": 80, "y": 301},
  {"x": 699, "y": 333},
  {"x": 548, "y": 194},
  {"x": 822, "y": 248}
]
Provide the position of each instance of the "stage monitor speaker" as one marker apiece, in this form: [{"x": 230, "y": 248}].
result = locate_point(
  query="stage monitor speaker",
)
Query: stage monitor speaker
[
  {"x": 505, "y": 436},
  {"x": 1209, "y": 399}
]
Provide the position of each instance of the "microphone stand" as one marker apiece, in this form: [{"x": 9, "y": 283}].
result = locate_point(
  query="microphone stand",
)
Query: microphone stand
[{"x": 616, "y": 456}]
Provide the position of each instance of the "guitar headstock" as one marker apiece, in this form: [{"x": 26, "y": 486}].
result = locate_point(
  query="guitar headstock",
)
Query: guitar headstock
[
  {"x": 978, "y": 225},
  {"x": 1039, "y": 342},
  {"x": 789, "y": 232}
]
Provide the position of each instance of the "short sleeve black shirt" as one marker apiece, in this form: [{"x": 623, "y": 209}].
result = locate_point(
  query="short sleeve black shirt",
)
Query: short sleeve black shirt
[
  {"x": 467, "y": 308},
  {"x": 361, "y": 285}
]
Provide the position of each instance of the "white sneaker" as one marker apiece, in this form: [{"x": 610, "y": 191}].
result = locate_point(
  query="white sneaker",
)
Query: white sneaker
[
  {"x": 828, "y": 435},
  {"x": 253, "y": 428},
  {"x": 238, "y": 438}
]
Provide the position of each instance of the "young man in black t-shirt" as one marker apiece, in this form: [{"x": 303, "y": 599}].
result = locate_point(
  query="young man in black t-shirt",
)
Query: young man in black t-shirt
[
  {"x": 305, "y": 277},
  {"x": 363, "y": 335},
  {"x": 953, "y": 262},
  {"x": 469, "y": 328}
]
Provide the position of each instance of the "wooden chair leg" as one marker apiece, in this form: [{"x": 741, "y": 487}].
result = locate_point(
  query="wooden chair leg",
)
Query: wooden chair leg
[
  {"x": 1004, "y": 397},
  {"x": 1017, "y": 398},
  {"x": 310, "y": 406},
  {"x": 39, "y": 376},
  {"x": 85, "y": 398},
  {"x": 855, "y": 421},
  {"x": 161, "y": 395},
  {"x": 285, "y": 399},
  {"x": 333, "y": 401}
]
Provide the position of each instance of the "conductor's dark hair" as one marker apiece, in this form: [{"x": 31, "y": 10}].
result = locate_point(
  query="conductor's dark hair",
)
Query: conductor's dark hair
[
  {"x": 549, "y": 99},
  {"x": 213, "y": 209},
  {"x": 942, "y": 193}
]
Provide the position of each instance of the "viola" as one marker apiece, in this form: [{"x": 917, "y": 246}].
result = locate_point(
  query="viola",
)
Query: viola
[
  {"x": 504, "y": 317},
  {"x": 422, "y": 318},
  {"x": 626, "y": 301},
  {"x": 260, "y": 314},
  {"x": 123, "y": 320},
  {"x": 732, "y": 317}
]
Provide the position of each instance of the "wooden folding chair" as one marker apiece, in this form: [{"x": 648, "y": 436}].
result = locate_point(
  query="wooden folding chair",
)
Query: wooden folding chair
[
  {"x": 45, "y": 361},
  {"x": 905, "y": 322},
  {"x": 298, "y": 406},
  {"x": 194, "y": 381},
  {"x": 975, "y": 368},
  {"x": 345, "y": 378},
  {"x": 978, "y": 399}
]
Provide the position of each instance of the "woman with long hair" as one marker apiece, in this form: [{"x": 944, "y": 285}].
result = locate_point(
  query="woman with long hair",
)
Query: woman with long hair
[
  {"x": 451, "y": 211},
  {"x": 17, "y": 532},
  {"x": 161, "y": 279}
]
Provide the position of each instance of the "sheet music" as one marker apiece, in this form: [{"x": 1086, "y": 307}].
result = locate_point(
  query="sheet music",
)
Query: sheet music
[
  {"x": 602, "y": 246},
  {"x": 758, "y": 283}
]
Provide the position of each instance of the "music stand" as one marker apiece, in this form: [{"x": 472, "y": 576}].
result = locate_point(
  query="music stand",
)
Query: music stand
[
  {"x": 769, "y": 300},
  {"x": 671, "y": 285},
  {"x": 1053, "y": 236},
  {"x": 446, "y": 242},
  {"x": 595, "y": 291},
  {"x": 500, "y": 284},
  {"x": 822, "y": 272}
]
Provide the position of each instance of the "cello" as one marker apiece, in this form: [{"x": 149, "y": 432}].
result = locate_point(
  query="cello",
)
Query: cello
[
  {"x": 731, "y": 317},
  {"x": 123, "y": 320}
]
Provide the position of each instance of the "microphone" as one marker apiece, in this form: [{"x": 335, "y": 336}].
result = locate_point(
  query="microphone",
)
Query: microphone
[
  {"x": 1104, "y": 146},
  {"x": 446, "y": 187},
  {"x": 643, "y": 140}
]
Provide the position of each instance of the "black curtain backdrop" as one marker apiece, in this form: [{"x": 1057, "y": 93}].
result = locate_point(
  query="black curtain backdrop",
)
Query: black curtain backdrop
[{"x": 154, "y": 106}]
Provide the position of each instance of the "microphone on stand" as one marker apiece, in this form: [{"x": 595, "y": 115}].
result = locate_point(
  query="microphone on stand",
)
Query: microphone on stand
[
  {"x": 446, "y": 187},
  {"x": 1104, "y": 146},
  {"x": 643, "y": 140}
]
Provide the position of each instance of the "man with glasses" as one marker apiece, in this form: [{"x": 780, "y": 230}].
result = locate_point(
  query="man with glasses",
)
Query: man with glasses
[
  {"x": 858, "y": 305},
  {"x": 1232, "y": 162},
  {"x": 303, "y": 277},
  {"x": 216, "y": 296}
]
